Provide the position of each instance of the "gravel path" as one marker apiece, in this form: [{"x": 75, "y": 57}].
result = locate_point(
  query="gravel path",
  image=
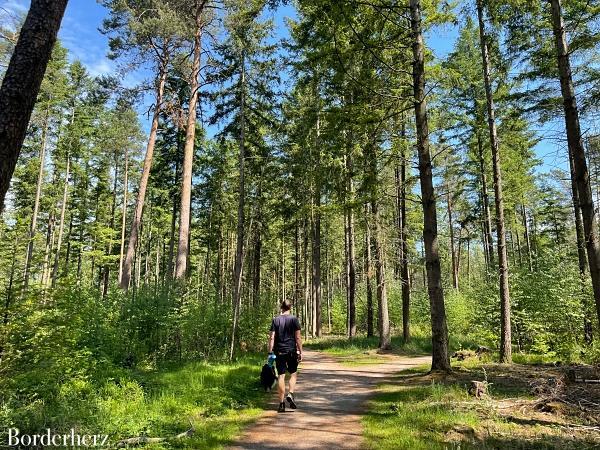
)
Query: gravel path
[{"x": 330, "y": 398}]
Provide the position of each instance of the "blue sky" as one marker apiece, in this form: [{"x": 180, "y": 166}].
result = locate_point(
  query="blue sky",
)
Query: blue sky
[{"x": 79, "y": 33}]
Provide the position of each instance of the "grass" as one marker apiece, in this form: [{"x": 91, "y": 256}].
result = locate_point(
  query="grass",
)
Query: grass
[
  {"x": 414, "y": 417},
  {"x": 424, "y": 411},
  {"x": 216, "y": 399}
]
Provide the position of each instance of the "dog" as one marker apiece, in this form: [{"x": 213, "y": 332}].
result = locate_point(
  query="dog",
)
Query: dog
[{"x": 268, "y": 378}]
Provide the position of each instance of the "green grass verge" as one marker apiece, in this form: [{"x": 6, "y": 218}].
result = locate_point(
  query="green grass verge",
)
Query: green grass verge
[
  {"x": 415, "y": 412},
  {"x": 414, "y": 417},
  {"x": 217, "y": 398}
]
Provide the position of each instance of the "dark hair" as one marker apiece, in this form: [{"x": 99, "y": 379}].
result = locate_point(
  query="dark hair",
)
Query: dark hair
[{"x": 286, "y": 305}]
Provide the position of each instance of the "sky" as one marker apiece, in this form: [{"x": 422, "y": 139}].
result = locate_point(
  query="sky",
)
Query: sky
[{"x": 80, "y": 34}]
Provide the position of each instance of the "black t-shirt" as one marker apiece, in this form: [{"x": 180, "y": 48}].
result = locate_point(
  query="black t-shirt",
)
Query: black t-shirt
[{"x": 285, "y": 327}]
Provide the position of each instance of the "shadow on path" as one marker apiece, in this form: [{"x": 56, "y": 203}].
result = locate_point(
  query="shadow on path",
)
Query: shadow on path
[{"x": 330, "y": 400}]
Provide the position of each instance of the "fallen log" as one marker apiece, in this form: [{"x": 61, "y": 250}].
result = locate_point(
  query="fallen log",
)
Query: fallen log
[{"x": 152, "y": 440}]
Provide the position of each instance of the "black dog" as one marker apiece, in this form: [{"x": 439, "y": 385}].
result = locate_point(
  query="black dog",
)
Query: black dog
[{"x": 268, "y": 377}]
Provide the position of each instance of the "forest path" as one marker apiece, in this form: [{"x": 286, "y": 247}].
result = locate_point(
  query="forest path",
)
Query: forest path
[{"x": 331, "y": 399}]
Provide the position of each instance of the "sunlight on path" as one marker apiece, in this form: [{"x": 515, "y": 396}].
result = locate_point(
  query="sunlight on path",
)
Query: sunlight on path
[{"x": 330, "y": 399}]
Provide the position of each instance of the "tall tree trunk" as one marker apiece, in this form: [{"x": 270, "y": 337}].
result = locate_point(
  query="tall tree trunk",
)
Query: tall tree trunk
[
  {"x": 80, "y": 250},
  {"x": 439, "y": 329},
  {"x": 505, "y": 329},
  {"x": 124, "y": 214},
  {"x": 239, "y": 253},
  {"x": 452, "y": 240},
  {"x": 257, "y": 254},
  {"x": 68, "y": 253},
  {"x": 369, "y": 276},
  {"x": 316, "y": 242},
  {"x": 487, "y": 217},
  {"x": 577, "y": 151},
  {"x": 328, "y": 285},
  {"x": 517, "y": 235},
  {"x": 109, "y": 247},
  {"x": 305, "y": 278},
  {"x": 48, "y": 249},
  {"x": 372, "y": 183},
  {"x": 36, "y": 204},
  {"x": 141, "y": 197},
  {"x": 527, "y": 240},
  {"x": 351, "y": 250},
  {"x": 61, "y": 226},
  {"x": 316, "y": 270},
  {"x": 297, "y": 267},
  {"x": 283, "y": 276},
  {"x": 581, "y": 257},
  {"x": 183, "y": 248},
  {"x": 580, "y": 178},
  {"x": 404, "y": 270},
  {"x": 257, "y": 267},
  {"x": 383, "y": 317},
  {"x": 469, "y": 259},
  {"x": 22, "y": 81},
  {"x": 176, "y": 200}
]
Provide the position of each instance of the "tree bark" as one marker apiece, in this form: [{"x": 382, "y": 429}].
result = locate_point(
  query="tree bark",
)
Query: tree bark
[
  {"x": 316, "y": 243},
  {"x": 581, "y": 256},
  {"x": 141, "y": 197},
  {"x": 22, "y": 81},
  {"x": 297, "y": 267},
  {"x": 183, "y": 247},
  {"x": 68, "y": 252},
  {"x": 575, "y": 144},
  {"x": 369, "y": 276},
  {"x": 439, "y": 329},
  {"x": 385, "y": 339},
  {"x": 109, "y": 249},
  {"x": 170, "y": 265},
  {"x": 351, "y": 251},
  {"x": 316, "y": 270},
  {"x": 124, "y": 214},
  {"x": 306, "y": 287},
  {"x": 61, "y": 225},
  {"x": 36, "y": 204},
  {"x": 50, "y": 230},
  {"x": 487, "y": 217},
  {"x": 527, "y": 240},
  {"x": 452, "y": 240},
  {"x": 239, "y": 253},
  {"x": 404, "y": 269},
  {"x": 505, "y": 328}
]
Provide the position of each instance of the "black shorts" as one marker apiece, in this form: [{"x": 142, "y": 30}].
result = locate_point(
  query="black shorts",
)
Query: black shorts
[{"x": 286, "y": 361}]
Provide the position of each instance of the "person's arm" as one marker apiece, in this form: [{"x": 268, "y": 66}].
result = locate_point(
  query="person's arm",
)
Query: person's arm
[
  {"x": 299, "y": 344},
  {"x": 271, "y": 342}
]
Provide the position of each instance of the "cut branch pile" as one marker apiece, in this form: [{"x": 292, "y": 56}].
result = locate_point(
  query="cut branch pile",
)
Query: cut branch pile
[
  {"x": 152, "y": 440},
  {"x": 568, "y": 389}
]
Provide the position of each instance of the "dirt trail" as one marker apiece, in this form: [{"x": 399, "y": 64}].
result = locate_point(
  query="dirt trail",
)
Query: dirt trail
[{"x": 330, "y": 399}]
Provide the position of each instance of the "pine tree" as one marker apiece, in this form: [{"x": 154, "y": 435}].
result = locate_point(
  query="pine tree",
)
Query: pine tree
[{"x": 22, "y": 81}]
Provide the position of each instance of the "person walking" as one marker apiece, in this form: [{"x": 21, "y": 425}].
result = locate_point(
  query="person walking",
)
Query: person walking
[{"x": 285, "y": 343}]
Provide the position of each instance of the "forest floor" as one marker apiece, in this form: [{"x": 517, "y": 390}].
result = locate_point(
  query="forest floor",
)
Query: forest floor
[
  {"x": 331, "y": 398},
  {"x": 527, "y": 406}
]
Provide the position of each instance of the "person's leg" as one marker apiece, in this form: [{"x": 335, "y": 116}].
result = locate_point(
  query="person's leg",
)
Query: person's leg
[
  {"x": 292, "y": 364},
  {"x": 293, "y": 378},
  {"x": 281, "y": 387},
  {"x": 293, "y": 382}
]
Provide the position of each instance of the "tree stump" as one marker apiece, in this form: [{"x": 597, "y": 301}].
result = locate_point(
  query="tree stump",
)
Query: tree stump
[{"x": 478, "y": 389}]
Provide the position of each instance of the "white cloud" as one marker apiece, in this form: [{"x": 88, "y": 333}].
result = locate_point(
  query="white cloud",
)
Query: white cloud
[{"x": 100, "y": 67}]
